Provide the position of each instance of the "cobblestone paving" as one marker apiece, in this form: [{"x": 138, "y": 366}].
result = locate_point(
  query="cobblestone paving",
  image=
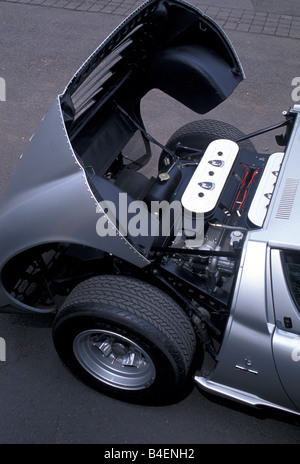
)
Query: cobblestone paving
[
  {"x": 235, "y": 19},
  {"x": 254, "y": 21}
]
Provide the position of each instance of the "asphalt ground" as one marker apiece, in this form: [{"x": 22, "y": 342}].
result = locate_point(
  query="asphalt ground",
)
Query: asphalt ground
[{"x": 42, "y": 44}]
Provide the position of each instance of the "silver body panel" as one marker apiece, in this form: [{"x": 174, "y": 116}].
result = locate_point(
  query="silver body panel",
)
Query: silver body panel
[
  {"x": 48, "y": 199},
  {"x": 259, "y": 359},
  {"x": 281, "y": 227},
  {"x": 52, "y": 201}
]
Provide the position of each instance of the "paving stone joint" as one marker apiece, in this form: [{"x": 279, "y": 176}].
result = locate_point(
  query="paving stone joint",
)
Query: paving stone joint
[{"x": 233, "y": 19}]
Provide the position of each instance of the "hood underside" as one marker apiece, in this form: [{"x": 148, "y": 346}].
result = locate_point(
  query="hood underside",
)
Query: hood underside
[{"x": 164, "y": 44}]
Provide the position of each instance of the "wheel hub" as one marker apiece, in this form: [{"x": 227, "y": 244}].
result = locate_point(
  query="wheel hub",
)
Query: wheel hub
[
  {"x": 118, "y": 349},
  {"x": 114, "y": 359}
]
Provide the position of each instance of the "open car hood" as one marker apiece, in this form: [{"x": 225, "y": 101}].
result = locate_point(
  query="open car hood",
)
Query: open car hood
[
  {"x": 169, "y": 45},
  {"x": 63, "y": 175}
]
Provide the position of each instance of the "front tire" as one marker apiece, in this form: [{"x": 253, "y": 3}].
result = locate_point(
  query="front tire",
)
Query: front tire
[
  {"x": 127, "y": 339},
  {"x": 199, "y": 134}
]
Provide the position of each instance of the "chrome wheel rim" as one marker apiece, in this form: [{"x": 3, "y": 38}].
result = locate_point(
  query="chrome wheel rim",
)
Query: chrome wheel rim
[{"x": 114, "y": 359}]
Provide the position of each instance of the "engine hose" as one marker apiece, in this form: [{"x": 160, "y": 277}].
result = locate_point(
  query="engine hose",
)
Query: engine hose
[{"x": 223, "y": 226}]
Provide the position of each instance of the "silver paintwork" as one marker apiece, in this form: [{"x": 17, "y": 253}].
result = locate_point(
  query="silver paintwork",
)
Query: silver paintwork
[
  {"x": 48, "y": 199},
  {"x": 255, "y": 330},
  {"x": 281, "y": 226}
]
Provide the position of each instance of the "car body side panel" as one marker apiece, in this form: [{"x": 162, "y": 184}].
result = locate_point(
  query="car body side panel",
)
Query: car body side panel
[
  {"x": 245, "y": 362},
  {"x": 48, "y": 199},
  {"x": 286, "y": 340},
  {"x": 286, "y": 348}
]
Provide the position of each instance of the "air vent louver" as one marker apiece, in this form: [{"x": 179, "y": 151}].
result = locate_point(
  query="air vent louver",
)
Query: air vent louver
[{"x": 287, "y": 198}]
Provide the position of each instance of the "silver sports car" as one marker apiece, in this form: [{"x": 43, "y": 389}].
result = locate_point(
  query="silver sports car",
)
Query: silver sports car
[{"x": 152, "y": 276}]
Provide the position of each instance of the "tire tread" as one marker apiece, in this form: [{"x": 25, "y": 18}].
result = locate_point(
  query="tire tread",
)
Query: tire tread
[
  {"x": 218, "y": 129},
  {"x": 141, "y": 300}
]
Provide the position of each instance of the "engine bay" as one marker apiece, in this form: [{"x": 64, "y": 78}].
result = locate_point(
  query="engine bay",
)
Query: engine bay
[
  {"x": 229, "y": 188},
  {"x": 232, "y": 188}
]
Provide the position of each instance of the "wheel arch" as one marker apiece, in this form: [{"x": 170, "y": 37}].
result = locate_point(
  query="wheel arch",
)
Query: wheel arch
[{"x": 18, "y": 273}]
